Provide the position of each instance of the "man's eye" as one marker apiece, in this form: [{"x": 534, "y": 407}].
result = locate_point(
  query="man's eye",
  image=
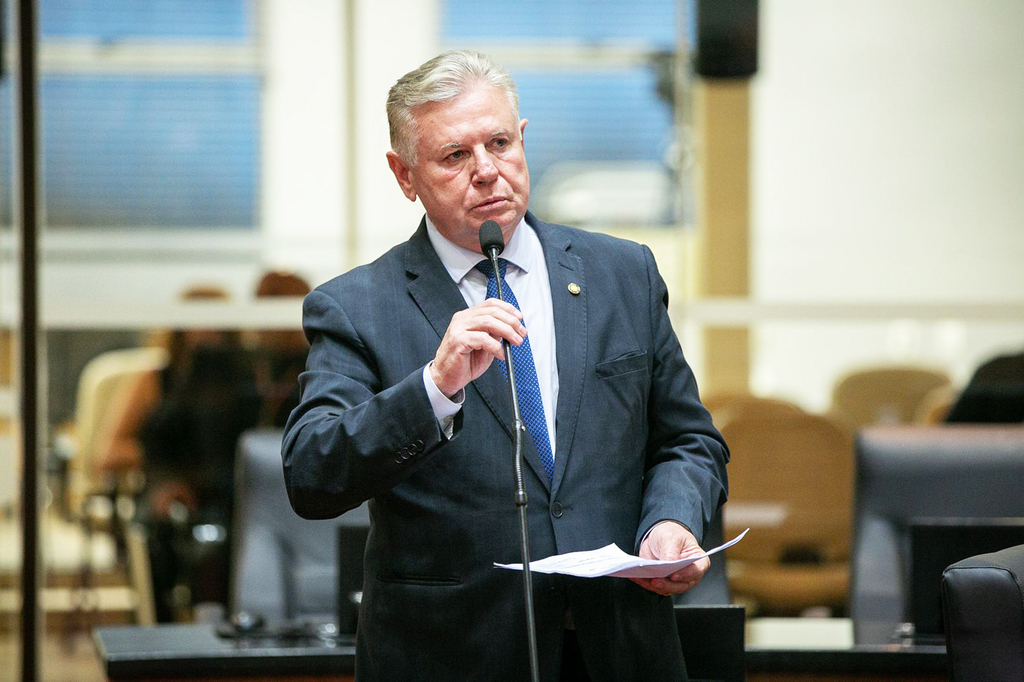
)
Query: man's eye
[
  {"x": 501, "y": 142},
  {"x": 456, "y": 155}
]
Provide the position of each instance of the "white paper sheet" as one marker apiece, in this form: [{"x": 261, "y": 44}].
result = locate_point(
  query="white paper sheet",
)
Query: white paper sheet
[{"x": 612, "y": 561}]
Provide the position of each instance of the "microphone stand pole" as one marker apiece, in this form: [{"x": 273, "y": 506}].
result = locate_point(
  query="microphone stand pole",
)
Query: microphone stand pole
[{"x": 520, "y": 496}]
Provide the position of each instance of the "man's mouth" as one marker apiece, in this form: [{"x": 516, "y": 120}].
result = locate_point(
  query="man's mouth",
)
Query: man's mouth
[{"x": 490, "y": 203}]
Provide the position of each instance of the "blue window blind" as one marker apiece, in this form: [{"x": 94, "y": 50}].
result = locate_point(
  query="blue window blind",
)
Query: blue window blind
[
  {"x": 587, "y": 21},
  {"x": 586, "y": 116},
  {"x": 580, "y": 112},
  {"x": 6, "y": 156},
  {"x": 123, "y": 150},
  {"x": 141, "y": 152},
  {"x": 134, "y": 19}
]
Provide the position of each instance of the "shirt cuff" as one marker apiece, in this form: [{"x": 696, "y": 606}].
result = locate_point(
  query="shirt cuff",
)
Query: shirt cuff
[{"x": 445, "y": 408}]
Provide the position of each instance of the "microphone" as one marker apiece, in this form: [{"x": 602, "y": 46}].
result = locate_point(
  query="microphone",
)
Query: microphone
[
  {"x": 491, "y": 239},
  {"x": 492, "y": 243}
]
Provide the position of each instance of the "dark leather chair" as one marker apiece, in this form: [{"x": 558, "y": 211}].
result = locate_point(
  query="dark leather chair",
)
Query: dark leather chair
[
  {"x": 983, "y": 612},
  {"x": 910, "y": 473}
]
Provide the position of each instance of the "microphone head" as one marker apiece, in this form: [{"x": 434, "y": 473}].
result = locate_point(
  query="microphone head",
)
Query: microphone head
[{"x": 491, "y": 238}]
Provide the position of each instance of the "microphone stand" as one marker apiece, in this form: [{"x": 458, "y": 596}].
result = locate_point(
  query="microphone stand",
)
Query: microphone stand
[{"x": 520, "y": 496}]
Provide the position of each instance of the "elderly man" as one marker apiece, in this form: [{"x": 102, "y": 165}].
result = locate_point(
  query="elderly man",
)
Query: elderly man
[{"x": 404, "y": 403}]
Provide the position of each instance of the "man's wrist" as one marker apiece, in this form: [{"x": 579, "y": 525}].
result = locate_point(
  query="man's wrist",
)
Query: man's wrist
[
  {"x": 660, "y": 522},
  {"x": 444, "y": 408},
  {"x": 437, "y": 379}
]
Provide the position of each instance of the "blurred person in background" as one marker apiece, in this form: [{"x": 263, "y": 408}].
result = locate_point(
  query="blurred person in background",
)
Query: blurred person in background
[
  {"x": 279, "y": 355},
  {"x": 181, "y": 427},
  {"x": 994, "y": 395}
]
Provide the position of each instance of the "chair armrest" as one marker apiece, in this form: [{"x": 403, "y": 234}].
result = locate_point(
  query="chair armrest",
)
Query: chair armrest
[{"x": 983, "y": 610}]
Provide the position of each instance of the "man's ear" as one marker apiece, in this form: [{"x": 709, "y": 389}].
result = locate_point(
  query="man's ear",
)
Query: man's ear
[
  {"x": 522, "y": 129},
  {"x": 401, "y": 172}
]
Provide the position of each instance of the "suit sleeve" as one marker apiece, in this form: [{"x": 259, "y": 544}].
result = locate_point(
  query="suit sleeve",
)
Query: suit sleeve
[
  {"x": 350, "y": 438},
  {"x": 685, "y": 478}
]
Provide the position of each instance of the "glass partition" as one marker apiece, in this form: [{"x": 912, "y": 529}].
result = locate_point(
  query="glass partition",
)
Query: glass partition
[
  {"x": 10, "y": 456},
  {"x": 150, "y": 143}
]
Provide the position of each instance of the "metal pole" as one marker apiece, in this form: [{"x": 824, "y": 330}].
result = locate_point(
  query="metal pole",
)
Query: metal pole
[
  {"x": 31, "y": 621},
  {"x": 520, "y": 494}
]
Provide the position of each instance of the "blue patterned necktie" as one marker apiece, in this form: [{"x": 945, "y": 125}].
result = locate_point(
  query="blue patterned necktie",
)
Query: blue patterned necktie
[{"x": 530, "y": 404}]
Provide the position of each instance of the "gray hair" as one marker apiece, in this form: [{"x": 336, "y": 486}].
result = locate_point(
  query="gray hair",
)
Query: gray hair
[{"x": 441, "y": 79}]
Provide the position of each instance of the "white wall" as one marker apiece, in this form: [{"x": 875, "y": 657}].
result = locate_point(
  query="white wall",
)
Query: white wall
[
  {"x": 304, "y": 185},
  {"x": 888, "y": 162},
  {"x": 316, "y": 179},
  {"x": 392, "y": 39}
]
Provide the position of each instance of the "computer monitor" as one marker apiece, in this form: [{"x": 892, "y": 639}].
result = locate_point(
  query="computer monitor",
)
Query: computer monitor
[
  {"x": 905, "y": 474},
  {"x": 351, "y": 548},
  {"x": 935, "y": 543}
]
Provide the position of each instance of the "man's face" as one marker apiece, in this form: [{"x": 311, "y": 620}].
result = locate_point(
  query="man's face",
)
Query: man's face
[{"x": 470, "y": 165}]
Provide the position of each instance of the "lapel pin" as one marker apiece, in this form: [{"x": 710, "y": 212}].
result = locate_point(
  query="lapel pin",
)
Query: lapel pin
[{"x": 574, "y": 289}]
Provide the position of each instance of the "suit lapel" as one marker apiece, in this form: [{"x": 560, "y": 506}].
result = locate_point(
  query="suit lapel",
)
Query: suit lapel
[
  {"x": 438, "y": 297},
  {"x": 570, "y": 313}
]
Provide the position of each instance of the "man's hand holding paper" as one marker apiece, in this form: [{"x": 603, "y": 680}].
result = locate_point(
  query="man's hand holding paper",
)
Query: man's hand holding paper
[
  {"x": 612, "y": 561},
  {"x": 668, "y": 541}
]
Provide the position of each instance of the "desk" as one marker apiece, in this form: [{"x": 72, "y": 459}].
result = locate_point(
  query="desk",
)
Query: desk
[
  {"x": 824, "y": 650},
  {"x": 173, "y": 652},
  {"x": 778, "y": 650}
]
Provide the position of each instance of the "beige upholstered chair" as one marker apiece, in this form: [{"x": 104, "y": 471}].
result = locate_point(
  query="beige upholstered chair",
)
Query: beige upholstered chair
[
  {"x": 935, "y": 405},
  {"x": 724, "y": 406},
  {"x": 104, "y": 381},
  {"x": 883, "y": 395},
  {"x": 791, "y": 482},
  {"x": 93, "y": 493}
]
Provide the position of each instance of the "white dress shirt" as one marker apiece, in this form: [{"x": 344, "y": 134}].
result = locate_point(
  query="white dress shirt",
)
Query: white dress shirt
[{"x": 527, "y": 276}]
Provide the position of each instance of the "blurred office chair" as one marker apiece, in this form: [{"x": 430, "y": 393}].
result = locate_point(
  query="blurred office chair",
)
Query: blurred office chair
[
  {"x": 101, "y": 501},
  {"x": 104, "y": 380},
  {"x": 791, "y": 482},
  {"x": 727, "y": 405},
  {"x": 883, "y": 395},
  {"x": 983, "y": 610},
  {"x": 284, "y": 567},
  {"x": 907, "y": 474},
  {"x": 935, "y": 405}
]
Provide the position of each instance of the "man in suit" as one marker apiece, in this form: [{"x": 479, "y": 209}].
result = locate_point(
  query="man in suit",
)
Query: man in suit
[{"x": 404, "y": 403}]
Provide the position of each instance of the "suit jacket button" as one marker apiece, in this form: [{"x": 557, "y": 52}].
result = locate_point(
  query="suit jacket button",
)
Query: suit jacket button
[
  {"x": 418, "y": 445},
  {"x": 556, "y": 510}
]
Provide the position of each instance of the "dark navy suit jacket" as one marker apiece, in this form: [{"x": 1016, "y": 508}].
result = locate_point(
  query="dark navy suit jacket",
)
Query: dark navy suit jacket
[{"x": 634, "y": 447}]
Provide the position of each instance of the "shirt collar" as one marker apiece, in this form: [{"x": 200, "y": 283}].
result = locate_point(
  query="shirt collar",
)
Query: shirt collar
[{"x": 459, "y": 261}]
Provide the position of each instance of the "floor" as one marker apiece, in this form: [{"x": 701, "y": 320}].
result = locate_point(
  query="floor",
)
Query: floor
[
  {"x": 65, "y": 658},
  {"x": 68, "y": 653}
]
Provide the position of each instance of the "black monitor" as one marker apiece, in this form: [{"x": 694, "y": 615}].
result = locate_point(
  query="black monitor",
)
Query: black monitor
[
  {"x": 935, "y": 543},
  {"x": 906, "y": 474},
  {"x": 351, "y": 547}
]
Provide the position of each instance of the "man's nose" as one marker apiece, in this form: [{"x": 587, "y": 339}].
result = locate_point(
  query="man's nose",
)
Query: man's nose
[{"x": 485, "y": 170}]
